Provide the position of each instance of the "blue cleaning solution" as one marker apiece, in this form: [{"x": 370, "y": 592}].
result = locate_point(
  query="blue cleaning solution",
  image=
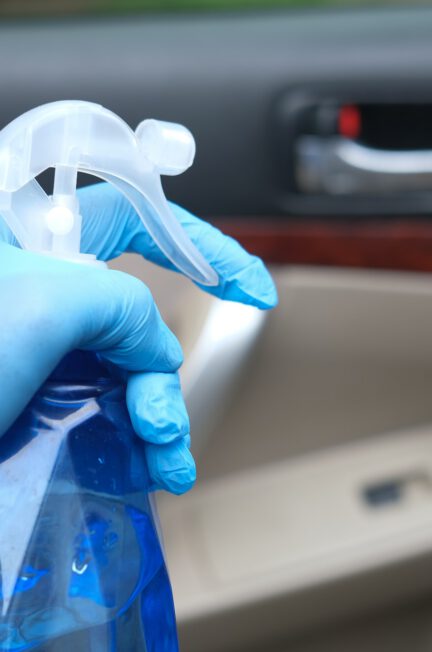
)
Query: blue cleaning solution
[{"x": 82, "y": 569}]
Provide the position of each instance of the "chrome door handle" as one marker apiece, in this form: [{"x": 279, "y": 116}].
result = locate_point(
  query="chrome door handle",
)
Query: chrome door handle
[{"x": 340, "y": 166}]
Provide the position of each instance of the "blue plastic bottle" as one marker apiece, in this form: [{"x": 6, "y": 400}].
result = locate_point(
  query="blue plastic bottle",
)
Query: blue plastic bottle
[
  {"x": 92, "y": 576},
  {"x": 82, "y": 568}
]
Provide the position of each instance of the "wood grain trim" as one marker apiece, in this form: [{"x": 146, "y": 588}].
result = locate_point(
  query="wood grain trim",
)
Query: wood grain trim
[{"x": 403, "y": 244}]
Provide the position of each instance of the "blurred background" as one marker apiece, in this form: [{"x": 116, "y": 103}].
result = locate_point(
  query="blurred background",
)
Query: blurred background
[
  {"x": 52, "y": 7},
  {"x": 310, "y": 527}
]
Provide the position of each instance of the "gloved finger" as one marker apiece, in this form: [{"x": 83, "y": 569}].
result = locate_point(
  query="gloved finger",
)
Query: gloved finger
[
  {"x": 120, "y": 320},
  {"x": 242, "y": 277},
  {"x": 111, "y": 226},
  {"x": 156, "y": 407},
  {"x": 171, "y": 466}
]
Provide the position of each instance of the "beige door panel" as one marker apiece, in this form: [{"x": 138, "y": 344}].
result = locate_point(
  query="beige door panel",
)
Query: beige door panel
[{"x": 315, "y": 492}]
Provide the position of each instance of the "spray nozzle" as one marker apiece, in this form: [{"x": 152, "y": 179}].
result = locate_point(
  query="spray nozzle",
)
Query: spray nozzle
[{"x": 75, "y": 136}]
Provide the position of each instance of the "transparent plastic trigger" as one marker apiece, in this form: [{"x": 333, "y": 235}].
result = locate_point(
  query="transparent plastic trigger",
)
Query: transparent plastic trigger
[{"x": 75, "y": 136}]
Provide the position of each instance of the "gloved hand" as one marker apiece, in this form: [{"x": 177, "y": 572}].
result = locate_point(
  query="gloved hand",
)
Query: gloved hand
[{"x": 51, "y": 307}]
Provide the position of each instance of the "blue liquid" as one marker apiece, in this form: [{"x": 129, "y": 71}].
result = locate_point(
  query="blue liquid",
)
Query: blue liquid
[{"x": 92, "y": 575}]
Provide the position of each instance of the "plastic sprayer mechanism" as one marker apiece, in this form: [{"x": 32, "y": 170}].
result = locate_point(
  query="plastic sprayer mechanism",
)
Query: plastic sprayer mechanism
[{"x": 75, "y": 136}]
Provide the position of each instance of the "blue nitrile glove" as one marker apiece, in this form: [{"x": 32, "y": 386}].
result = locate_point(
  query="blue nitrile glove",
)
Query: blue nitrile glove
[{"x": 51, "y": 307}]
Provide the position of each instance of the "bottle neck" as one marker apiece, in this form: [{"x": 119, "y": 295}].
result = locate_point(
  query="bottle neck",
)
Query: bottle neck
[
  {"x": 81, "y": 367},
  {"x": 79, "y": 376}
]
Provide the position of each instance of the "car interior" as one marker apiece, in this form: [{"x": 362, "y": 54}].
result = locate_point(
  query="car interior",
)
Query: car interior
[{"x": 310, "y": 526}]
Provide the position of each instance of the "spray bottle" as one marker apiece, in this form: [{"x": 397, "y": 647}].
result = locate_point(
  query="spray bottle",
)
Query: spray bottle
[{"x": 82, "y": 568}]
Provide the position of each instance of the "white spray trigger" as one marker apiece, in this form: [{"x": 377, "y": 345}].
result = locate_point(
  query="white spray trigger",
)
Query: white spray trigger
[{"x": 74, "y": 136}]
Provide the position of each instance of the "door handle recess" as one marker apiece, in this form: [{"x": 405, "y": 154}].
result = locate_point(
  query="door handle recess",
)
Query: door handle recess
[{"x": 340, "y": 166}]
